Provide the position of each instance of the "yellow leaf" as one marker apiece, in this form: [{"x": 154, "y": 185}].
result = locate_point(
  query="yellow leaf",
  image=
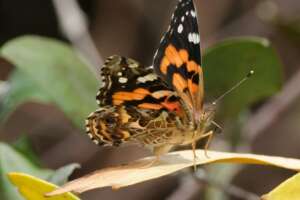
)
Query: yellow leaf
[
  {"x": 33, "y": 188},
  {"x": 288, "y": 190},
  {"x": 136, "y": 172}
]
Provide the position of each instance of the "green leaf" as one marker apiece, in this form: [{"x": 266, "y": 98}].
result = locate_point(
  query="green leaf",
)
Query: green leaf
[
  {"x": 10, "y": 161},
  {"x": 56, "y": 74},
  {"x": 61, "y": 175},
  {"x": 230, "y": 61},
  {"x": 22, "y": 89},
  {"x": 23, "y": 146}
]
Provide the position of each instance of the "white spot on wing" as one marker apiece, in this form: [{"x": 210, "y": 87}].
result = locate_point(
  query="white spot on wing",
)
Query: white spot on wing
[
  {"x": 180, "y": 28},
  {"x": 119, "y": 73},
  {"x": 123, "y": 80},
  {"x": 193, "y": 13},
  {"x": 148, "y": 77},
  {"x": 182, "y": 19},
  {"x": 194, "y": 38},
  {"x": 190, "y": 37}
]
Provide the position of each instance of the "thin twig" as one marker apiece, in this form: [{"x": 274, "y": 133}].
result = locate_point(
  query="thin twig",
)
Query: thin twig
[{"x": 73, "y": 24}]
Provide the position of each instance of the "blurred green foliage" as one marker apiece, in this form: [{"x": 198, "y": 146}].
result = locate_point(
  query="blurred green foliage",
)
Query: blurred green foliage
[
  {"x": 52, "y": 72},
  {"x": 11, "y": 160},
  {"x": 22, "y": 89},
  {"x": 23, "y": 146},
  {"x": 230, "y": 61}
]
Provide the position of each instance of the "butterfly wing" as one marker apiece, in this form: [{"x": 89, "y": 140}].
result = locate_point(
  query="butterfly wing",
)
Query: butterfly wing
[
  {"x": 178, "y": 59},
  {"x": 128, "y": 83},
  {"x": 131, "y": 96}
]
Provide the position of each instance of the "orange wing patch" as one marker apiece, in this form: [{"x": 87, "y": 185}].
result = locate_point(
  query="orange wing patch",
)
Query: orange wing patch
[
  {"x": 152, "y": 106},
  {"x": 137, "y": 94},
  {"x": 164, "y": 65},
  {"x": 184, "y": 55},
  {"x": 192, "y": 66},
  {"x": 173, "y": 56},
  {"x": 119, "y": 98},
  {"x": 180, "y": 58},
  {"x": 179, "y": 82}
]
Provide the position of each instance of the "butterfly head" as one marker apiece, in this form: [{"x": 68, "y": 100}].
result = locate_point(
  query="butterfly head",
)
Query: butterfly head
[{"x": 205, "y": 120}]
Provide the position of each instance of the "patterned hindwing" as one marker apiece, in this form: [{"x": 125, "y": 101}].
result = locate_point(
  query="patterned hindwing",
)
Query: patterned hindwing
[
  {"x": 114, "y": 125},
  {"x": 101, "y": 127},
  {"x": 108, "y": 125},
  {"x": 178, "y": 58}
]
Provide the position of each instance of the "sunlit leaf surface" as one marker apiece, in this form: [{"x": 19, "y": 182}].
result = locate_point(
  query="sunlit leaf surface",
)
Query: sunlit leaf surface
[{"x": 138, "y": 171}]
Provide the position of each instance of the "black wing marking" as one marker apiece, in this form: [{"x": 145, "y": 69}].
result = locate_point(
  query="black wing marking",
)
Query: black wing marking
[{"x": 178, "y": 58}]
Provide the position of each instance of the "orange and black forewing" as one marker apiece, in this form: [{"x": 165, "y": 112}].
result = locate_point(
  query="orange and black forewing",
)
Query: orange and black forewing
[{"x": 178, "y": 58}]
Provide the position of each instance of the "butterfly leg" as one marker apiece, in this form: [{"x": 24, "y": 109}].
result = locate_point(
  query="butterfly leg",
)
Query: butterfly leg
[
  {"x": 209, "y": 136},
  {"x": 194, "y": 154},
  {"x": 158, "y": 151}
]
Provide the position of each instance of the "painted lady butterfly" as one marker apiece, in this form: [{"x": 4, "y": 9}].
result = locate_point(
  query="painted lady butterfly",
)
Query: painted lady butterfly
[{"x": 161, "y": 106}]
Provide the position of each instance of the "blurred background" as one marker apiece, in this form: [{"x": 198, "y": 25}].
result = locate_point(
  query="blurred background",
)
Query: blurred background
[{"x": 133, "y": 28}]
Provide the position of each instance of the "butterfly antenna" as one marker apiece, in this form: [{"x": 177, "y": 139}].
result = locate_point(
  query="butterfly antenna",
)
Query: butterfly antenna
[{"x": 250, "y": 73}]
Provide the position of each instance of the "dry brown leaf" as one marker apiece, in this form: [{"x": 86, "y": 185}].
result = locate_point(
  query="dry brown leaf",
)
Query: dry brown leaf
[{"x": 136, "y": 172}]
